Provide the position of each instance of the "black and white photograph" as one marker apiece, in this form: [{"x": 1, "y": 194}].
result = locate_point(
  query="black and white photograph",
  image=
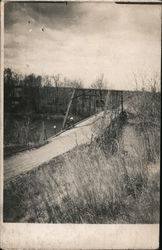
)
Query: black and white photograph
[{"x": 82, "y": 112}]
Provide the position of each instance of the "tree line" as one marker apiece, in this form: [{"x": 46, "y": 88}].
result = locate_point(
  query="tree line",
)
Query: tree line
[
  {"x": 25, "y": 89},
  {"x": 24, "y": 92}
]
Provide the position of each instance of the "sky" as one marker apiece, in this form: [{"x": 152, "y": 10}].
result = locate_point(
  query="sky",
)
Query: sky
[{"x": 82, "y": 40}]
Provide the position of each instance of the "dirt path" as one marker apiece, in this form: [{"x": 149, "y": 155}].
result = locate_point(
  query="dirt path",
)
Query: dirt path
[{"x": 58, "y": 145}]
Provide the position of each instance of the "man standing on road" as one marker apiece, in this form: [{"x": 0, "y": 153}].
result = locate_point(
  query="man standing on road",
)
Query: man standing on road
[{"x": 72, "y": 121}]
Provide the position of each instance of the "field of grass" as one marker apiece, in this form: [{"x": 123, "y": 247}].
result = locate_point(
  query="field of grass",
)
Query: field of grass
[
  {"x": 21, "y": 133},
  {"x": 93, "y": 183}
]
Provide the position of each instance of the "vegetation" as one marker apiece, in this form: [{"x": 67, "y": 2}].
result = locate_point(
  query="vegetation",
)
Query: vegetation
[
  {"x": 111, "y": 180},
  {"x": 23, "y": 133},
  {"x": 23, "y": 93},
  {"x": 29, "y": 101},
  {"x": 93, "y": 183}
]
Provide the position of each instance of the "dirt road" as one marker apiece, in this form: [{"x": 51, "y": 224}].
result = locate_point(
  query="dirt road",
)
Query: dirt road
[{"x": 24, "y": 161}]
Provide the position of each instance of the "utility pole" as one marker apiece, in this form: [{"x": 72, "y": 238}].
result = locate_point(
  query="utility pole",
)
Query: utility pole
[{"x": 68, "y": 108}]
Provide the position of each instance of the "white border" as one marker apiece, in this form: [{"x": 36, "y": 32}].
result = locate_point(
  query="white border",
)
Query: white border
[
  {"x": 69, "y": 236},
  {"x": 1, "y": 104}
]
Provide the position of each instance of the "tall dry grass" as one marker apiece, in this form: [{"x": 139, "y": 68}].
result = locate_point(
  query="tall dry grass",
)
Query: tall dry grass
[
  {"x": 86, "y": 186},
  {"x": 92, "y": 183}
]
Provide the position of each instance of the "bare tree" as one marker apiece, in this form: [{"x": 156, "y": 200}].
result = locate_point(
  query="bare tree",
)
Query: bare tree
[
  {"x": 46, "y": 81},
  {"x": 145, "y": 83},
  {"x": 72, "y": 83},
  {"x": 57, "y": 81},
  {"x": 99, "y": 83}
]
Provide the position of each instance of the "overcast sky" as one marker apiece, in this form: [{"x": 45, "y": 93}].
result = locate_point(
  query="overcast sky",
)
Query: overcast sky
[{"x": 83, "y": 40}]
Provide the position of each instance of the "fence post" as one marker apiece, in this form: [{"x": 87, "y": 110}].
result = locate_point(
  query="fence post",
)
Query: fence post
[
  {"x": 83, "y": 101},
  {"x": 90, "y": 105},
  {"x": 28, "y": 132},
  {"x": 43, "y": 135},
  {"x": 94, "y": 101},
  {"x": 106, "y": 102},
  {"x": 68, "y": 108},
  {"x": 122, "y": 101}
]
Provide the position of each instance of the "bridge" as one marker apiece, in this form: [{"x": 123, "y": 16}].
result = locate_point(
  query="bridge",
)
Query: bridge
[{"x": 66, "y": 140}]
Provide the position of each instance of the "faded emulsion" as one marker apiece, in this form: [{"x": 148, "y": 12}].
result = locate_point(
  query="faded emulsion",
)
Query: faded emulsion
[{"x": 81, "y": 113}]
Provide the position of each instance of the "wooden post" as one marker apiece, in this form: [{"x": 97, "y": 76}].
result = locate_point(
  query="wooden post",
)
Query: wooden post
[
  {"x": 90, "y": 105},
  {"x": 112, "y": 99},
  {"x": 74, "y": 106},
  {"x": 45, "y": 132},
  {"x": 28, "y": 132},
  {"x": 68, "y": 108},
  {"x": 117, "y": 102},
  {"x": 122, "y": 109},
  {"x": 56, "y": 98},
  {"x": 43, "y": 135},
  {"x": 106, "y": 102},
  {"x": 83, "y": 101},
  {"x": 94, "y": 101}
]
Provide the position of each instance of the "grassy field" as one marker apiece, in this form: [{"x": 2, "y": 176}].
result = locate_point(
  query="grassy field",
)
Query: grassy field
[
  {"x": 28, "y": 131},
  {"x": 21, "y": 133},
  {"x": 114, "y": 179},
  {"x": 93, "y": 183}
]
